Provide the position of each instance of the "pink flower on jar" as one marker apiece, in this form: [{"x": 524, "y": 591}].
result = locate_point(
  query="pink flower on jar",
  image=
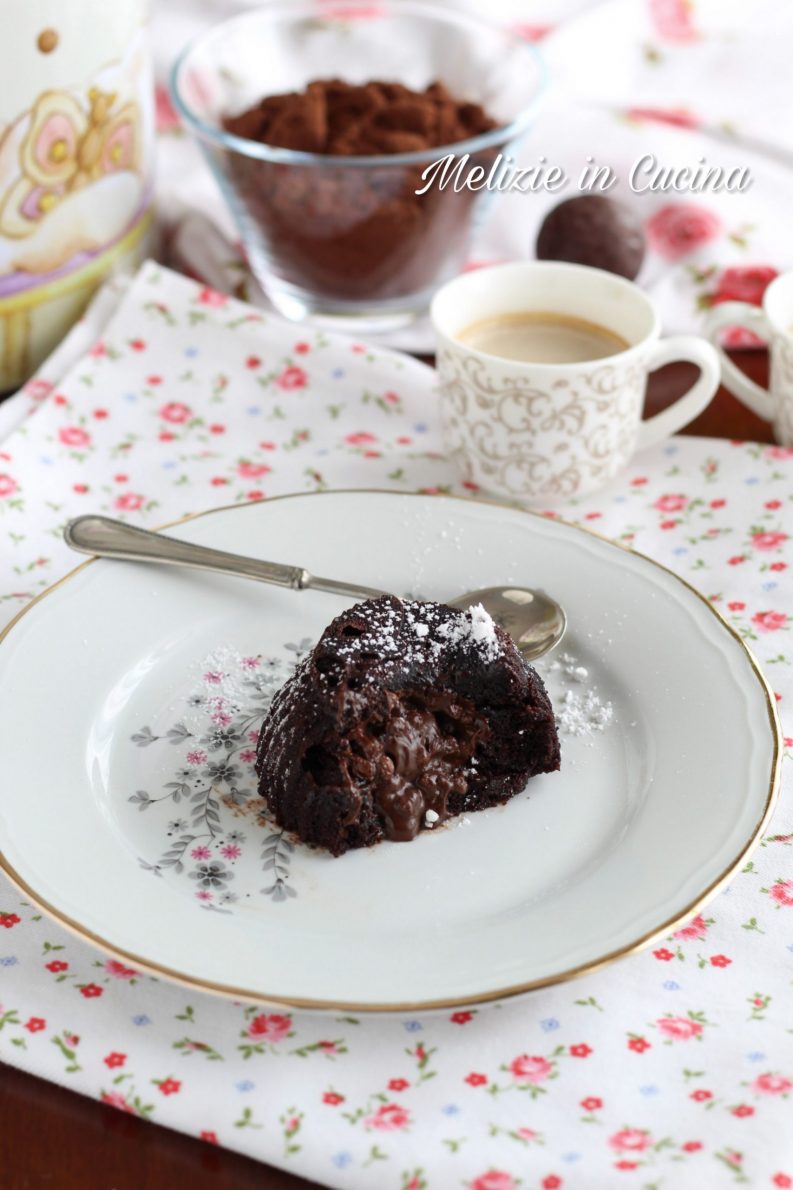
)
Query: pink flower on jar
[
  {"x": 676, "y": 230},
  {"x": 494, "y": 1179},
  {"x": 778, "y": 452},
  {"x": 74, "y": 436},
  {"x": 389, "y": 1118},
  {"x": 782, "y": 892},
  {"x": 630, "y": 1140},
  {"x": 270, "y": 1026},
  {"x": 360, "y": 438},
  {"x": 768, "y": 541},
  {"x": 253, "y": 470},
  {"x": 530, "y": 1068},
  {"x": 673, "y": 20},
  {"x": 743, "y": 283},
  {"x": 679, "y": 1028},
  {"x": 769, "y": 621},
  {"x": 7, "y": 486},
  {"x": 175, "y": 412},
  {"x": 772, "y": 1084},
  {"x": 696, "y": 929},
  {"x": 292, "y": 378},
  {"x": 671, "y": 503},
  {"x": 129, "y": 501}
]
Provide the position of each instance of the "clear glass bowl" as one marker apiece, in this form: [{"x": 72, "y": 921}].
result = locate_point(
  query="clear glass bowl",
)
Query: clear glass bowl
[{"x": 346, "y": 239}]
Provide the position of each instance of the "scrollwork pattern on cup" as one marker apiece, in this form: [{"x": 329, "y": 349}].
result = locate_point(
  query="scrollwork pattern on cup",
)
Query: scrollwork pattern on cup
[{"x": 528, "y": 438}]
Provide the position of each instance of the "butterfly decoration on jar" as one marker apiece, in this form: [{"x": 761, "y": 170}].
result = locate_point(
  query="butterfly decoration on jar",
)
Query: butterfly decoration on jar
[{"x": 76, "y": 178}]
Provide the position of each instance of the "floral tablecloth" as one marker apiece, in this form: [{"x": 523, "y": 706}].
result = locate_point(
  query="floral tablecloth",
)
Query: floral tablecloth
[{"x": 673, "y": 1067}]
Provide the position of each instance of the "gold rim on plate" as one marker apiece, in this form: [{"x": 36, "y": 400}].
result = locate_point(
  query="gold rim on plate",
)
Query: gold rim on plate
[{"x": 296, "y": 1002}]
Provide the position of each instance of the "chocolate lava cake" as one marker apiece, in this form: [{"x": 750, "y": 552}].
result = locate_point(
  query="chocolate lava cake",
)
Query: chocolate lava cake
[{"x": 403, "y": 715}]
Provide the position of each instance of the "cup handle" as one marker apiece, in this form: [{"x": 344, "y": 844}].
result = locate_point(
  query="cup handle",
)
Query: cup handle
[
  {"x": 698, "y": 397},
  {"x": 753, "y": 318}
]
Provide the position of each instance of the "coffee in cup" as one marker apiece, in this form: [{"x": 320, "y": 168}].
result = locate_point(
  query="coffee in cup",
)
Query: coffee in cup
[
  {"x": 542, "y": 371},
  {"x": 542, "y": 337}
]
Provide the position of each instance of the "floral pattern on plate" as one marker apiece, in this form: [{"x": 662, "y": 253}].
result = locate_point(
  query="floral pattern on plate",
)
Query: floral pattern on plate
[{"x": 212, "y": 792}]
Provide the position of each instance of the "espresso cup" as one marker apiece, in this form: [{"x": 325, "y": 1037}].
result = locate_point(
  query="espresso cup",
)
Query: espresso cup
[
  {"x": 773, "y": 322},
  {"x": 538, "y": 432}
]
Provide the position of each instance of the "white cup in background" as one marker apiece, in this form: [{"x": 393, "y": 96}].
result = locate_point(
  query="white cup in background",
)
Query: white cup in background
[
  {"x": 774, "y": 322},
  {"x": 539, "y": 432}
]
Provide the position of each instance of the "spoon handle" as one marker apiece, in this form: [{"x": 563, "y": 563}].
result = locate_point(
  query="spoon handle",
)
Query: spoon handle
[{"x": 107, "y": 538}]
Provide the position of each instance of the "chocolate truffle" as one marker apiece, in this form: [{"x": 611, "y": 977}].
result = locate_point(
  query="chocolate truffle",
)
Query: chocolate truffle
[
  {"x": 595, "y": 230},
  {"x": 403, "y": 715}
]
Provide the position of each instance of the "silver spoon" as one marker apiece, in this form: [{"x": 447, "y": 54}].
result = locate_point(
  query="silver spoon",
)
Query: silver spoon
[{"x": 534, "y": 621}]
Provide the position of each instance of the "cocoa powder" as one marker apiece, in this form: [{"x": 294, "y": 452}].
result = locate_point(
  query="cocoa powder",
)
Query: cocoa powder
[{"x": 357, "y": 232}]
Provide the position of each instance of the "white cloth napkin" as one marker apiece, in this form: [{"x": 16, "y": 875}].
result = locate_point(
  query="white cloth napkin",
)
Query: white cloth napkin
[{"x": 672, "y": 1067}]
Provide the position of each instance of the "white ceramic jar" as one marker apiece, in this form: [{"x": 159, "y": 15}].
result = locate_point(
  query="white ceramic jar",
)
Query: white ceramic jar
[{"x": 76, "y": 156}]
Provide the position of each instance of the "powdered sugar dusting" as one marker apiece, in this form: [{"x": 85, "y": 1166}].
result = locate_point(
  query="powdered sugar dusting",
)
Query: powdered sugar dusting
[
  {"x": 580, "y": 711},
  {"x": 431, "y": 629},
  {"x": 475, "y": 626},
  {"x": 583, "y": 714}
]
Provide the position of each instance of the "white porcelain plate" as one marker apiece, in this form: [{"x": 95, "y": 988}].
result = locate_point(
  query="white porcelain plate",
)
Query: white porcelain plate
[{"x": 128, "y": 807}]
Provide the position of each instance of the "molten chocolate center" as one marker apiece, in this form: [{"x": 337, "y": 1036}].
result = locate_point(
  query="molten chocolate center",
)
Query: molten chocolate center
[{"x": 415, "y": 759}]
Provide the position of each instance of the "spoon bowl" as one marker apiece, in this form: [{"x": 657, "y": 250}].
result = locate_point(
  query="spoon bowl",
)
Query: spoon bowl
[{"x": 534, "y": 620}]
